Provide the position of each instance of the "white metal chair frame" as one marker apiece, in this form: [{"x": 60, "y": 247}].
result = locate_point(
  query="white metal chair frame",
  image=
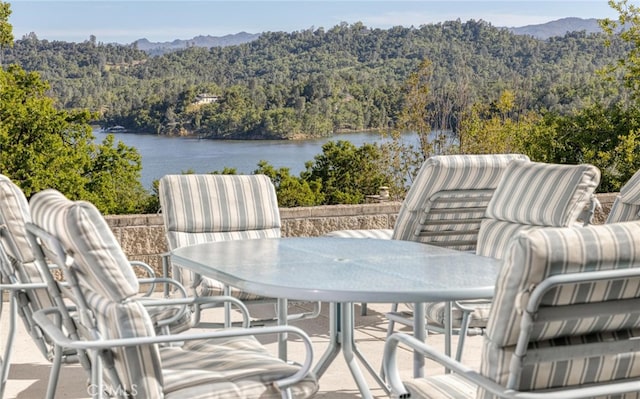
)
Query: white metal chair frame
[
  {"x": 468, "y": 215},
  {"x": 535, "y": 313},
  {"x": 90, "y": 338}
]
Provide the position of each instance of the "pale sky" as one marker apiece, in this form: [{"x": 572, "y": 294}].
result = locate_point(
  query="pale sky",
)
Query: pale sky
[{"x": 123, "y": 21}]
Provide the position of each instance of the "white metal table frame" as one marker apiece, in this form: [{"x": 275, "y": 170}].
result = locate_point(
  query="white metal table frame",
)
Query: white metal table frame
[{"x": 343, "y": 271}]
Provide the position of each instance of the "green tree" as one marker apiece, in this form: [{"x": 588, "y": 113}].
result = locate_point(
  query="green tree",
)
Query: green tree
[
  {"x": 499, "y": 127},
  {"x": 627, "y": 28},
  {"x": 6, "y": 30},
  {"x": 292, "y": 191},
  {"x": 606, "y": 137},
  {"x": 347, "y": 173},
  {"x": 43, "y": 147},
  {"x": 415, "y": 115}
]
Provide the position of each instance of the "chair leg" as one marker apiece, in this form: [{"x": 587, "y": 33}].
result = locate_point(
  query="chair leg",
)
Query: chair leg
[
  {"x": 390, "y": 328},
  {"x": 54, "y": 374},
  {"x": 6, "y": 358},
  {"x": 363, "y": 309},
  {"x": 462, "y": 333},
  {"x": 392, "y": 323},
  {"x": 227, "y": 307}
]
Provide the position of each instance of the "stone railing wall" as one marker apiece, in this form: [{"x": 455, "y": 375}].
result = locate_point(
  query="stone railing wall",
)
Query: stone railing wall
[{"x": 142, "y": 236}]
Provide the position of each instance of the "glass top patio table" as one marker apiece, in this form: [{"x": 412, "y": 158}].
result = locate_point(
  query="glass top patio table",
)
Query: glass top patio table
[{"x": 342, "y": 271}]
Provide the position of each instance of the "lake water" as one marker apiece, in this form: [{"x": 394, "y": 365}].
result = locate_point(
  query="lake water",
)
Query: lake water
[{"x": 163, "y": 155}]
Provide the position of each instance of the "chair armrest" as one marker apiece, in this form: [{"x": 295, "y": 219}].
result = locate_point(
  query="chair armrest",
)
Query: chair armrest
[
  {"x": 43, "y": 320},
  {"x": 144, "y": 266},
  {"x": 167, "y": 281},
  {"x": 196, "y": 301},
  {"x": 398, "y": 389},
  {"x": 149, "y": 272},
  {"x": 22, "y": 286}
]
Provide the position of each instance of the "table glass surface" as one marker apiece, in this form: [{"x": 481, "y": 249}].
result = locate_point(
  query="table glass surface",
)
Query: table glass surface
[{"x": 343, "y": 269}]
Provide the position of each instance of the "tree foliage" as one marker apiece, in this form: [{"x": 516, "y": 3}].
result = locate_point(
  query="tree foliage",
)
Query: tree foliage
[
  {"x": 318, "y": 81},
  {"x": 463, "y": 87},
  {"x": 627, "y": 29},
  {"x": 43, "y": 147}
]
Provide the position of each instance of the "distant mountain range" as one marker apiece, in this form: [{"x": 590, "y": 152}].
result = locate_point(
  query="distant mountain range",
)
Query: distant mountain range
[
  {"x": 542, "y": 31},
  {"x": 559, "y": 28},
  {"x": 155, "y": 48}
]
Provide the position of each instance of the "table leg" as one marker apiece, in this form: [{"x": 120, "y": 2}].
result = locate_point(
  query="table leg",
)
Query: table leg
[
  {"x": 227, "y": 307},
  {"x": 334, "y": 341},
  {"x": 341, "y": 319},
  {"x": 349, "y": 349},
  {"x": 420, "y": 333},
  {"x": 282, "y": 321}
]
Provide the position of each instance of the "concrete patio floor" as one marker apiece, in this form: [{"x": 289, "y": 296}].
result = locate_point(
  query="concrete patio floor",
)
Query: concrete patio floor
[{"x": 30, "y": 371}]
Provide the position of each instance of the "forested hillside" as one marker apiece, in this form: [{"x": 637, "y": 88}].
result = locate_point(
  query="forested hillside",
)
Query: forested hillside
[{"x": 316, "y": 82}]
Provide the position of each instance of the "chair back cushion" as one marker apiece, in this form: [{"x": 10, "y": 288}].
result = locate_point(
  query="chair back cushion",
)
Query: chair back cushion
[
  {"x": 86, "y": 237},
  {"x": 534, "y": 256},
  {"x": 205, "y": 208},
  {"x": 532, "y": 194},
  {"x": 107, "y": 281},
  {"x": 224, "y": 206},
  {"x": 451, "y": 176},
  {"x": 14, "y": 216},
  {"x": 626, "y": 207},
  {"x": 138, "y": 367}
]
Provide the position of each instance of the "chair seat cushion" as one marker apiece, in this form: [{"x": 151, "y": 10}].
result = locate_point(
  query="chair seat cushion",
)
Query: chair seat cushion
[
  {"x": 563, "y": 374},
  {"x": 477, "y": 319},
  {"x": 238, "y": 367},
  {"x": 446, "y": 386},
  {"x": 160, "y": 313},
  {"x": 384, "y": 234}
]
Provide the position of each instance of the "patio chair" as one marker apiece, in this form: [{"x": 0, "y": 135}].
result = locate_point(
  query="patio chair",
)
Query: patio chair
[
  {"x": 205, "y": 208},
  {"x": 28, "y": 291},
  {"x": 117, "y": 330},
  {"x": 443, "y": 206},
  {"x": 626, "y": 206},
  {"x": 26, "y": 288},
  {"x": 446, "y": 201},
  {"x": 565, "y": 322},
  {"x": 529, "y": 195}
]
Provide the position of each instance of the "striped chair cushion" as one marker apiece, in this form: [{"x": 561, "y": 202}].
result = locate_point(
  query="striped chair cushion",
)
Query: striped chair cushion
[
  {"x": 85, "y": 235},
  {"x": 14, "y": 215},
  {"x": 495, "y": 236},
  {"x": 477, "y": 318},
  {"x": 540, "y": 253},
  {"x": 206, "y": 286},
  {"x": 382, "y": 234},
  {"x": 562, "y": 374},
  {"x": 446, "y": 173},
  {"x": 623, "y": 212},
  {"x": 630, "y": 193},
  {"x": 218, "y": 203},
  {"x": 626, "y": 207},
  {"x": 139, "y": 367},
  {"x": 535, "y": 194},
  {"x": 447, "y": 386},
  {"x": 83, "y": 231},
  {"x": 205, "y": 208},
  {"x": 225, "y": 368}
]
